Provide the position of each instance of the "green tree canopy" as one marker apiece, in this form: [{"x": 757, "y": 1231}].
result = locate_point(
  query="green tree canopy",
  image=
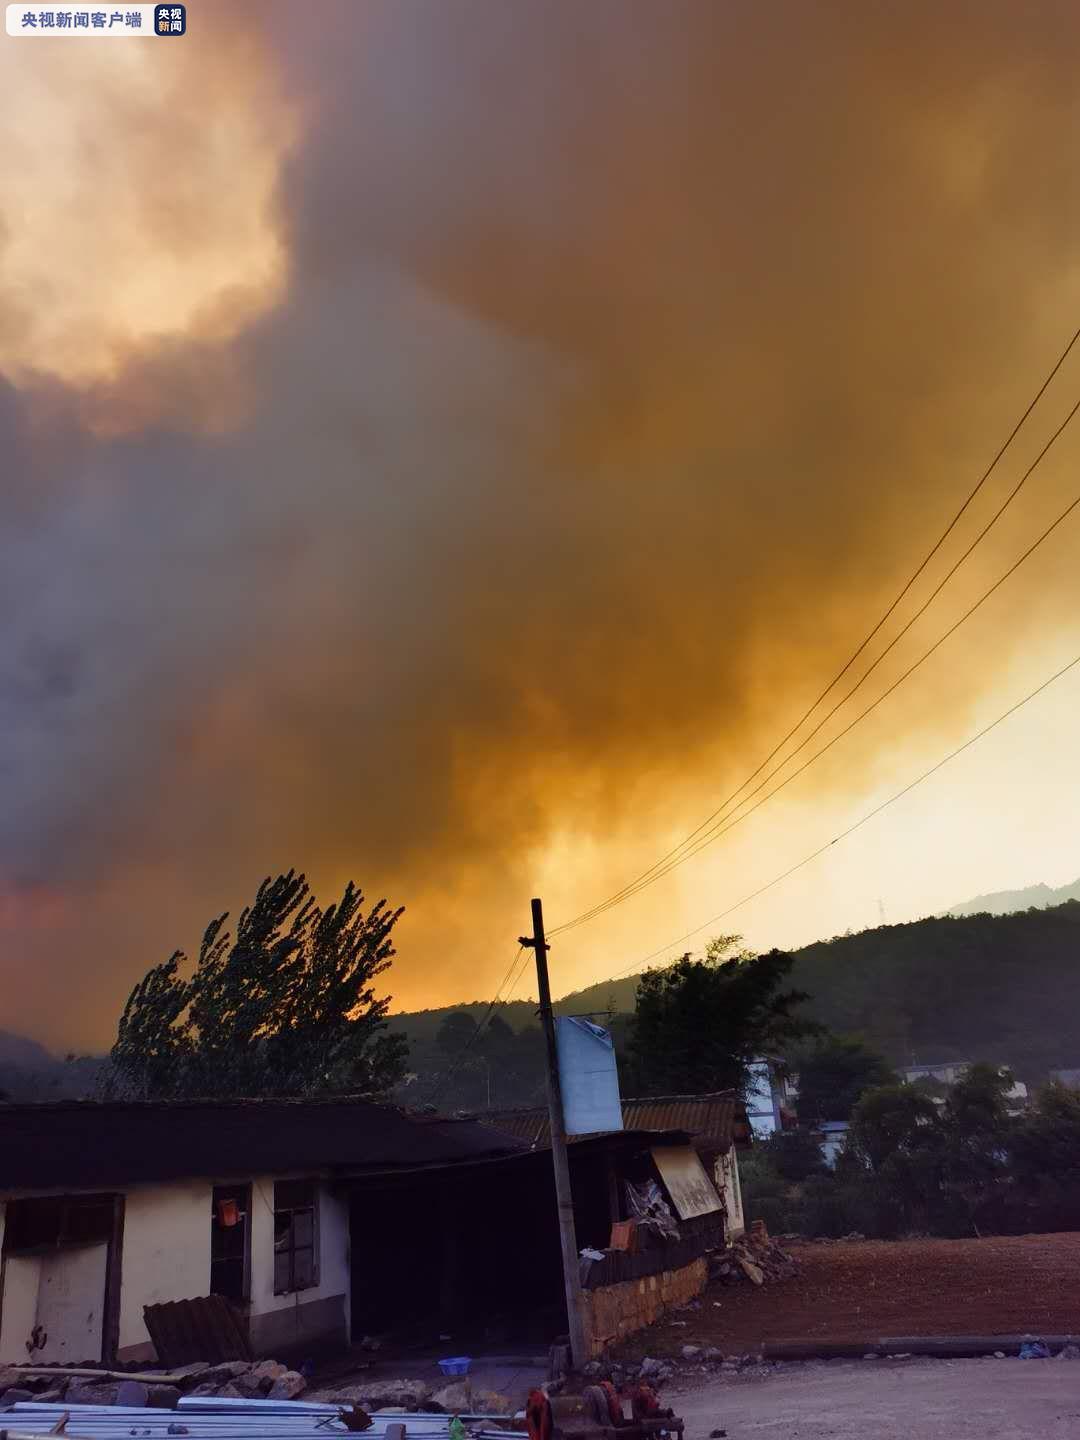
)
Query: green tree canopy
[
  {"x": 700, "y": 1022},
  {"x": 891, "y": 1120},
  {"x": 286, "y": 1008},
  {"x": 835, "y": 1074},
  {"x": 455, "y": 1031}
]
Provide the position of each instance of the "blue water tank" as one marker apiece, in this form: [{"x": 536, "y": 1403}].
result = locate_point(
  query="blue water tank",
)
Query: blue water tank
[{"x": 588, "y": 1076}]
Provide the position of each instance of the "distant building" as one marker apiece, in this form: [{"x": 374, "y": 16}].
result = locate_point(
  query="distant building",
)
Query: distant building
[
  {"x": 948, "y": 1074},
  {"x": 832, "y": 1138},
  {"x": 768, "y": 1099}
]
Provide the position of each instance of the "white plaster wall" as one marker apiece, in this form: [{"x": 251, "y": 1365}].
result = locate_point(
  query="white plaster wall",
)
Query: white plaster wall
[
  {"x": 21, "y": 1277},
  {"x": 727, "y": 1182},
  {"x": 166, "y": 1252},
  {"x": 166, "y": 1256},
  {"x": 333, "y": 1241}
]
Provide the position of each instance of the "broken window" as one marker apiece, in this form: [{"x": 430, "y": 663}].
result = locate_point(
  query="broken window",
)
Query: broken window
[
  {"x": 295, "y": 1248},
  {"x": 229, "y": 1270}
]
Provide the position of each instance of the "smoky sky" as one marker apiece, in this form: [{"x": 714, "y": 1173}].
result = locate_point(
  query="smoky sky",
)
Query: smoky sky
[{"x": 627, "y": 356}]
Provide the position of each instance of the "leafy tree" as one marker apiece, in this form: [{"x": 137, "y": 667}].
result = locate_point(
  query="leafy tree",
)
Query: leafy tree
[
  {"x": 891, "y": 1120},
  {"x": 834, "y": 1076},
  {"x": 795, "y": 1155},
  {"x": 976, "y": 1131},
  {"x": 1046, "y": 1160},
  {"x": 700, "y": 1022},
  {"x": 287, "y": 1008},
  {"x": 455, "y": 1032}
]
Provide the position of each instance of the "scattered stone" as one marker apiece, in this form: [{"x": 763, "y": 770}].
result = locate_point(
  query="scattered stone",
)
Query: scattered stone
[
  {"x": 456, "y": 1398},
  {"x": 288, "y": 1386},
  {"x": 268, "y": 1370},
  {"x": 1068, "y": 1352},
  {"x": 226, "y": 1371},
  {"x": 999, "y": 1354},
  {"x": 163, "y": 1397},
  {"x": 16, "y": 1395},
  {"x": 251, "y": 1386},
  {"x": 133, "y": 1393},
  {"x": 691, "y": 1352},
  {"x": 490, "y": 1402},
  {"x": 230, "y": 1392},
  {"x": 195, "y": 1371},
  {"x": 99, "y": 1393},
  {"x": 381, "y": 1394},
  {"x": 8, "y": 1378},
  {"x": 752, "y": 1272},
  {"x": 650, "y": 1367},
  {"x": 51, "y": 1397},
  {"x": 204, "y": 1389}
]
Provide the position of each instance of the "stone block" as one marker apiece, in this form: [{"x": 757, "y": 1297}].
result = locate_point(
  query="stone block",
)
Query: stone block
[
  {"x": 15, "y": 1395},
  {"x": 132, "y": 1393},
  {"x": 98, "y": 1393},
  {"x": 288, "y": 1386},
  {"x": 163, "y": 1397}
]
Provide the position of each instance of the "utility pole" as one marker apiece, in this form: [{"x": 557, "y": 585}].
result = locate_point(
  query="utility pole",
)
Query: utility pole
[{"x": 567, "y": 1236}]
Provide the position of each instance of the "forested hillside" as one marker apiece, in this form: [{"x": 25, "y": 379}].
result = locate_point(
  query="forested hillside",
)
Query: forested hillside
[
  {"x": 994, "y": 987},
  {"x": 1003, "y": 988}
]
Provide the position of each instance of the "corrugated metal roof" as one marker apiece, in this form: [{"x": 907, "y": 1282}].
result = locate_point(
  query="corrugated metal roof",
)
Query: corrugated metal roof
[{"x": 714, "y": 1120}]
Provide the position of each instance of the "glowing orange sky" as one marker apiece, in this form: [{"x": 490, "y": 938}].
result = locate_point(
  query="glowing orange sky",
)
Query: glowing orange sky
[{"x": 449, "y": 449}]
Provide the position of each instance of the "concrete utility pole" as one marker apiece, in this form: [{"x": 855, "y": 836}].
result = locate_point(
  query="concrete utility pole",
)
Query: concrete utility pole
[{"x": 575, "y": 1313}]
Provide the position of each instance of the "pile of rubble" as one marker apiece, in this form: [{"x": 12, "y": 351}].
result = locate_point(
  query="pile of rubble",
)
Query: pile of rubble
[
  {"x": 460, "y": 1397},
  {"x": 754, "y": 1259},
  {"x": 232, "y": 1379}
]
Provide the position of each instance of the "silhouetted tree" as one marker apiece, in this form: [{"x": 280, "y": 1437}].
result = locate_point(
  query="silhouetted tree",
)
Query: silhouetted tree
[
  {"x": 455, "y": 1031},
  {"x": 287, "y": 1008},
  {"x": 700, "y": 1022}
]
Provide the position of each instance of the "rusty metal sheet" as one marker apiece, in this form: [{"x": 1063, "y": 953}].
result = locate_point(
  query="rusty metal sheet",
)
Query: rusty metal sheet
[
  {"x": 692, "y": 1192},
  {"x": 207, "y": 1328}
]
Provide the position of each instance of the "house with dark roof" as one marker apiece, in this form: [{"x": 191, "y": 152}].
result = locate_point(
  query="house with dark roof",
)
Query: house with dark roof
[{"x": 305, "y": 1221}]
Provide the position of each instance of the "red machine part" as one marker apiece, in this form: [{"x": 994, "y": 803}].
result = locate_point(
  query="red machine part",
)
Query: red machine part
[{"x": 538, "y": 1420}]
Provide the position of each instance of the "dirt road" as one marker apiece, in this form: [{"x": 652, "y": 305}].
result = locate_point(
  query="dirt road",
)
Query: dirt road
[{"x": 892, "y": 1400}]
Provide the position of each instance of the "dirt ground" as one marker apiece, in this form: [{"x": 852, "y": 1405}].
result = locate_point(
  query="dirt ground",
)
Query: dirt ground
[
  {"x": 863, "y": 1290},
  {"x": 892, "y": 1400}
]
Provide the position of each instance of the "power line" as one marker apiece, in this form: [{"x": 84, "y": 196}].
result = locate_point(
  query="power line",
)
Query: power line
[
  {"x": 715, "y": 827},
  {"x": 844, "y": 834},
  {"x": 631, "y": 886}
]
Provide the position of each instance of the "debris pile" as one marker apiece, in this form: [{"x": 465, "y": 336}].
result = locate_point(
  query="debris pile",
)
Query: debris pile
[
  {"x": 753, "y": 1259},
  {"x": 160, "y": 1390}
]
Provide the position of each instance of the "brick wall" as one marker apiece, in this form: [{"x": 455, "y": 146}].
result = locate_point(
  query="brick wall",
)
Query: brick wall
[{"x": 612, "y": 1311}]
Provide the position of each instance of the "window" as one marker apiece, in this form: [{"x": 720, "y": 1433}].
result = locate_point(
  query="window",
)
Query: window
[
  {"x": 295, "y": 1248},
  {"x": 230, "y": 1208}
]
